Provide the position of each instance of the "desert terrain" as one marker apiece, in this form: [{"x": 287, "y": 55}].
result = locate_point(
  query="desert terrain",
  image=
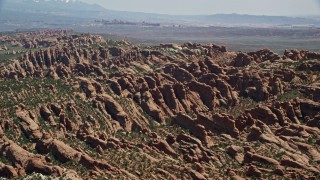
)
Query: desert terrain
[{"x": 83, "y": 106}]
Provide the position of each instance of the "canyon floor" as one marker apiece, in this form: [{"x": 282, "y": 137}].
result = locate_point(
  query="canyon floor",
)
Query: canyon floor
[{"x": 79, "y": 106}]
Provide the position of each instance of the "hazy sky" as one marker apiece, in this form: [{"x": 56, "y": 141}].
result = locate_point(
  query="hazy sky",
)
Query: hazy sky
[{"x": 191, "y": 7}]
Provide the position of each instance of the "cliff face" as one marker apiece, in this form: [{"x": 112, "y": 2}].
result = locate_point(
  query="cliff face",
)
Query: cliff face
[{"x": 81, "y": 106}]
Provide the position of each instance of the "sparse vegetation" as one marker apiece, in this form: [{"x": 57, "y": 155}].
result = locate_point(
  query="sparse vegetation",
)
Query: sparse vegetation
[
  {"x": 61, "y": 112},
  {"x": 292, "y": 94}
]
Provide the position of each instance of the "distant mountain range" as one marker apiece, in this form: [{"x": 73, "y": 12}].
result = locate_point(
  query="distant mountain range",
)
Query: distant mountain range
[{"x": 66, "y": 11}]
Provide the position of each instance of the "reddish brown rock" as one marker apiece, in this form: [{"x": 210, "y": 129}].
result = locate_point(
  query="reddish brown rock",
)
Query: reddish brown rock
[
  {"x": 171, "y": 99},
  {"x": 264, "y": 114},
  {"x": 254, "y": 171},
  {"x": 114, "y": 51},
  {"x": 236, "y": 152},
  {"x": 178, "y": 73},
  {"x": 291, "y": 163},
  {"x": 29, "y": 126},
  {"x": 249, "y": 157},
  {"x": 264, "y": 55},
  {"x": 116, "y": 111},
  {"x": 28, "y": 161},
  {"x": 148, "y": 105},
  {"x": 7, "y": 171},
  {"x": 315, "y": 155},
  {"x": 207, "y": 94},
  {"x": 221, "y": 123},
  {"x": 164, "y": 147},
  {"x": 299, "y": 55},
  {"x": 242, "y": 60}
]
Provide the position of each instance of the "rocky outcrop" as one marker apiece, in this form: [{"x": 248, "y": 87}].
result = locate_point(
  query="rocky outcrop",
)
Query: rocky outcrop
[
  {"x": 91, "y": 87},
  {"x": 264, "y": 55},
  {"x": 164, "y": 147},
  {"x": 116, "y": 111},
  {"x": 310, "y": 65},
  {"x": 264, "y": 114},
  {"x": 85, "y": 107},
  {"x": 29, "y": 126},
  {"x": 7, "y": 171},
  {"x": 27, "y": 161},
  {"x": 242, "y": 60},
  {"x": 207, "y": 94},
  {"x": 221, "y": 123},
  {"x": 301, "y": 55},
  {"x": 148, "y": 105}
]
